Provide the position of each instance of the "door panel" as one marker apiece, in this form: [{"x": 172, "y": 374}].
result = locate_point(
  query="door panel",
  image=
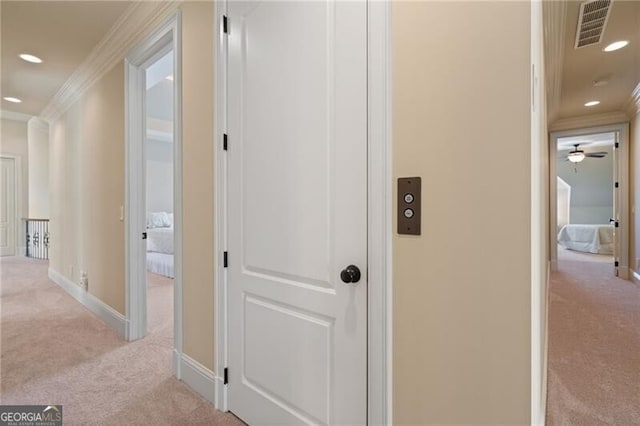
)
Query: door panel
[
  {"x": 8, "y": 207},
  {"x": 297, "y": 124}
]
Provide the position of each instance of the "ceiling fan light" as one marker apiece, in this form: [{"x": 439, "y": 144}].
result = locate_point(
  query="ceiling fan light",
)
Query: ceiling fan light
[{"x": 576, "y": 157}]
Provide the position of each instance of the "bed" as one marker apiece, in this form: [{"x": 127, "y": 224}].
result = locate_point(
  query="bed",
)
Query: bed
[
  {"x": 596, "y": 239},
  {"x": 160, "y": 245}
]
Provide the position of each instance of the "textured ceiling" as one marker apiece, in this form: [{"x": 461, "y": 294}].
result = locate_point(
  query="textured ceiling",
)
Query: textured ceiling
[
  {"x": 62, "y": 33},
  {"x": 583, "y": 66}
]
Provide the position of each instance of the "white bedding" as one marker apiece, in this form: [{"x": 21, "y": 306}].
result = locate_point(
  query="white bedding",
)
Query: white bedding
[
  {"x": 160, "y": 240},
  {"x": 160, "y": 263},
  {"x": 587, "y": 238}
]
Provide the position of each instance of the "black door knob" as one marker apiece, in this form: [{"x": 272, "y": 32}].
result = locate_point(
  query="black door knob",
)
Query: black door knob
[{"x": 351, "y": 274}]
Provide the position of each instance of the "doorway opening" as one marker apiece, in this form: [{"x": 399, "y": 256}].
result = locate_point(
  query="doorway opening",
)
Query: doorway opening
[
  {"x": 159, "y": 188},
  {"x": 589, "y": 197},
  {"x": 153, "y": 185},
  {"x": 585, "y": 198}
]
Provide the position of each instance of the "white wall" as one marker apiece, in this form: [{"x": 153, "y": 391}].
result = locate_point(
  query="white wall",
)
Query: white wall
[
  {"x": 38, "y": 148},
  {"x": 159, "y": 176},
  {"x": 591, "y": 186},
  {"x": 564, "y": 203},
  {"x": 159, "y": 109}
]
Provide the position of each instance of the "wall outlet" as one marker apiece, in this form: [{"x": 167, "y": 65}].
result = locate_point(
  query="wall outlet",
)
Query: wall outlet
[{"x": 84, "y": 280}]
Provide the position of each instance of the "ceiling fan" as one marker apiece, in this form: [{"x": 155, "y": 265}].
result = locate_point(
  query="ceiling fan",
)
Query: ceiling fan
[{"x": 577, "y": 155}]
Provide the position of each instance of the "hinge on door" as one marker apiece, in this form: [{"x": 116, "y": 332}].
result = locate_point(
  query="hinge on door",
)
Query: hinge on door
[
  {"x": 616, "y": 185},
  {"x": 144, "y": 235},
  {"x": 225, "y": 259},
  {"x": 616, "y": 264},
  {"x": 617, "y": 224},
  {"x": 226, "y": 375},
  {"x": 616, "y": 145},
  {"x": 225, "y": 27},
  {"x": 224, "y": 141}
]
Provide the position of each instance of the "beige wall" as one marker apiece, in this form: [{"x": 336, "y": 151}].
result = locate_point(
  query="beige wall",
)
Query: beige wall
[
  {"x": 38, "y": 141},
  {"x": 198, "y": 148},
  {"x": 87, "y": 189},
  {"x": 461, "y": 120},
  {"x": 87, "y": 185},
  {"x": 13, "y": 141}
]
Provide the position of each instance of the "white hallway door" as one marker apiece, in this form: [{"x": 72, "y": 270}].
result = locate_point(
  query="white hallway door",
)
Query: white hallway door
[
  {"x": 297, "y": 208},
  {"x": 8, "y": 207}
]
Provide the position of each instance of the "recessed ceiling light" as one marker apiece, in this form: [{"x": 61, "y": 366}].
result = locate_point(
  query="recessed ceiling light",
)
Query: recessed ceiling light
[
  {"x": 616, "y": 45},
  {"x": 169, "y": 77},
  {"x": 14, "y": 100},
  {"x": 30, "y": 58},
  {"x": 591, "y": 103}
]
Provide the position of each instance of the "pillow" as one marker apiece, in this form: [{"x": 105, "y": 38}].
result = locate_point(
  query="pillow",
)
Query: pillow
[{"x": 158, "y": 220}]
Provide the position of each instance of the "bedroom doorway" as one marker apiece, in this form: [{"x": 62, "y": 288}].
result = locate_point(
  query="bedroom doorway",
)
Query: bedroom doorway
[
  {"x": 589, "y": 197},
  {"x": 159, "y": 196},
  {"x": 153, "y": 169}
]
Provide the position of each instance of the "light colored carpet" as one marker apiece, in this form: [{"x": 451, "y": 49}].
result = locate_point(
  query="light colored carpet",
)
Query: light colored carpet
[
  {"x": 54, "y": 351},
  {"x": 594, "y": 347}
]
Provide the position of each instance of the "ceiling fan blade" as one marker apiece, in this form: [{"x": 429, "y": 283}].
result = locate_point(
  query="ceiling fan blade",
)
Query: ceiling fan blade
[{"x": 596, "y": 154}]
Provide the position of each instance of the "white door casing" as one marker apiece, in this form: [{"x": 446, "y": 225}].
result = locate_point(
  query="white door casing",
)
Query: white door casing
[
  {"x": 8, "y": 183},
  {"x": 297, "y": 211},
  {"x": 621, "y": 193},
  {"x": 616, "y": 204},
  {"x": 167, "y": 36}
]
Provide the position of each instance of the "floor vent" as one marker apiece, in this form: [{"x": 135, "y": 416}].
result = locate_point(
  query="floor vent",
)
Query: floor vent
[{"x": 592, "y": 21}]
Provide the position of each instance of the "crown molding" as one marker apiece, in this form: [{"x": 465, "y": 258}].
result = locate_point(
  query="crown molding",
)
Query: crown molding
[
  {"x": 592, "y": 120},
  {"x": 38, "y": 124},
  {"x": 633, "y": 104},
  {"x": 555, "y": 21},
  {"x": 15, "y": 116},
  {"x": 136, "y": 21}
]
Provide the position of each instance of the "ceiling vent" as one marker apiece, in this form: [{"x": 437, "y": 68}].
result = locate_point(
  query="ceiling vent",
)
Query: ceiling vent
[{"x": 592, "y": 21}]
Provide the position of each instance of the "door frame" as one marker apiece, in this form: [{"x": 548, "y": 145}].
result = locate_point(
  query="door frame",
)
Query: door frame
[
  {"x": 18, "y": 213},
  {"x": 622, "y": 168},
  {"x": 167, "y": 36},
  {"x": 379, "y": 212}
]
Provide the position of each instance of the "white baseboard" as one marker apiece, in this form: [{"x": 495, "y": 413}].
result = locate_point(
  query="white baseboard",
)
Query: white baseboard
[
  {"x": 635, "y": 277},
  {"x": 106, "y": 313},
  {"x": 199, "y": 378}
]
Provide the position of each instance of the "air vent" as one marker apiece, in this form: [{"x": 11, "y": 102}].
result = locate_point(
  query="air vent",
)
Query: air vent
[{"x": 592, "y": 21}]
